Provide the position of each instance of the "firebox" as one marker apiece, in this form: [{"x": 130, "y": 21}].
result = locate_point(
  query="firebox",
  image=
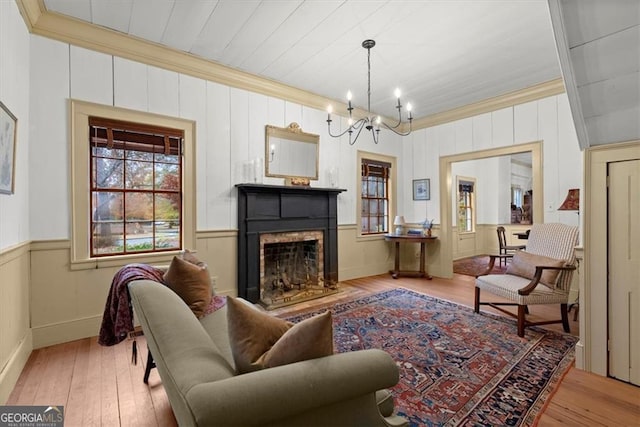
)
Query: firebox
[{"x": 292, "y": 268}]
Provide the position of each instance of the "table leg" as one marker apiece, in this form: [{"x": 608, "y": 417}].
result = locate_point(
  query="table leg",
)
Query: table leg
[{"x": 396, "y": 267}]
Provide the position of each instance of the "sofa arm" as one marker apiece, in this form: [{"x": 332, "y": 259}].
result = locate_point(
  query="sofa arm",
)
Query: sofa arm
[{"x": 286, "y": 395}]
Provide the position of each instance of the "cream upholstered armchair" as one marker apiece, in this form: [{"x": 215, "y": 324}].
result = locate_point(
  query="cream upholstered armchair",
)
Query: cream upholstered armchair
[{"x": 540, "y": 275}]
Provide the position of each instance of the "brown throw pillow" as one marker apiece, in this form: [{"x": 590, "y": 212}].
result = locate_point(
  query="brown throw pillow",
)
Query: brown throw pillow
[
  {"x": 524, "y": 264},
  {"x": 259, "y": 340},
  {"x": 191, "y": 282}
]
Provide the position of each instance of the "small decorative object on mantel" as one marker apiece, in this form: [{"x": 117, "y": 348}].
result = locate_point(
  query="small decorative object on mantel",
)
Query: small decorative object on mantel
[
  {"x": 302, "y": 182},
  {"x": 8, "y": 126}
]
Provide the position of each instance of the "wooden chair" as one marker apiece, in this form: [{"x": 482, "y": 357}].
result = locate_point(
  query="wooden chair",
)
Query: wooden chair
[
  {"x": 504, "y": 248},
  {"x": 529, "y": 278}
]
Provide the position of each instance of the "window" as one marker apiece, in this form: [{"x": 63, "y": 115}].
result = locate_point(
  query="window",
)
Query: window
[
  {"x": 374, "y": 210},
  {"x": 136, "y": 187},
  {"x": 466, "y": 205},
  {"x": 132, "y": 187}
]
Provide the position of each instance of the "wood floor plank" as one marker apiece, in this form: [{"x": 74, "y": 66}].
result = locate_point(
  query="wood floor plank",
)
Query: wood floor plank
[
  {"x": 101, "y": 386},
  {"x": 110, "y": 413},
  {"x": 124, "y": 381},
  {"x": 28, "y": 381},
  {"x": 78, "y": 389}
]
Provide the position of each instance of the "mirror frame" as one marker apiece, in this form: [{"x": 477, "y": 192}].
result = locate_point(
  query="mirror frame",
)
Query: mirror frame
[{"x": 293, "y": 133}]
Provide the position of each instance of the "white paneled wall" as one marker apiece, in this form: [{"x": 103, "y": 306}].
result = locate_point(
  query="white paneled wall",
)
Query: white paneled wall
[
  {"x": 548, "y": 119},
  {"x": 14, "y": 94},
  {"x": 230, "y": 129}
]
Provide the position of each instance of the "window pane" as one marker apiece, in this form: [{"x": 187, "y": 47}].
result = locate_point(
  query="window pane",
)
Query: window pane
[
  {"x": 139, "y": 206},
  {"x": 106, "y": 152},
  {"x": 107, "y": 173},
  {"x": 371, "y": 190},
  {"x": 139, "y": 175},
  {"x": 167, "y": 159},
  {"x": 365, "y": 224},
  {"x": 139, "y": 155},
  {"x": 167, "y": 177},
  {"x": 107, "y": 222}
]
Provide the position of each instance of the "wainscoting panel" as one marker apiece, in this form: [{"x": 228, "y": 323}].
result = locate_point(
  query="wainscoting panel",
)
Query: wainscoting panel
[{"x": 15, "y": 339}]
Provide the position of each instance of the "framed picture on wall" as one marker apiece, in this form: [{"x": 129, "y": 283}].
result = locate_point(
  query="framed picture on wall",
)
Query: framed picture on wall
[
  {"x": 421, "y": 189},
  {"x": 8, "y": 124}
]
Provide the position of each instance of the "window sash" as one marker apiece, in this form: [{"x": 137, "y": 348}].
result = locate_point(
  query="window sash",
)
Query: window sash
[
  {"x": 113, "y": 206},
  {"x": 375, "y": 197}
]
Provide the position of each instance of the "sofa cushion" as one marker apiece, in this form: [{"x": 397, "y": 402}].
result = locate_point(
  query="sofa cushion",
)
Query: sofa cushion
[
  {"x": 524, "y": 264},
  {"x": 191, "y": 282},
  {"x": 259, "y": 340}
]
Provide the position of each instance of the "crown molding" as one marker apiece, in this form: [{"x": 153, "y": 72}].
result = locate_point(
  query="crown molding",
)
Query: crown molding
[
  {"x": 53, "y": 25},
  {"x": 532, "y": 93}
]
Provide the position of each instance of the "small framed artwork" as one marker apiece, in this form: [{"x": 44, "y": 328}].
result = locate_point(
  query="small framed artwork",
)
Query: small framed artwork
[
  {"x": 421, "y": 189},
  {"x": 8, "y": 124}
]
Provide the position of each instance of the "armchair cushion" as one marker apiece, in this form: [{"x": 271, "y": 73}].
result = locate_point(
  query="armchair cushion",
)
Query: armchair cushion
[
  {"x": 259, "y": 340},
  {"x": 524, "y": 264},
  {"x": 191, "y": 282}
]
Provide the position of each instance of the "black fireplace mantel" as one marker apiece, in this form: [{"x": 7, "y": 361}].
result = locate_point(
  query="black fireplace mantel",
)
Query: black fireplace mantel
[{"x": 277, "y": 208}]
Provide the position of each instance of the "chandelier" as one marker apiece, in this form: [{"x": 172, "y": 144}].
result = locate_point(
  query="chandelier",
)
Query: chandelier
[{"x": 369, "y": 122}]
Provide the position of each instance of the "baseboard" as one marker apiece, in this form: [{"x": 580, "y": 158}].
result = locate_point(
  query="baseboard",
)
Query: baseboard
[
  {"x": 12, "y": 370},
  {"x": 363, "y": 271},
  {"x": 58, "y": 333}
]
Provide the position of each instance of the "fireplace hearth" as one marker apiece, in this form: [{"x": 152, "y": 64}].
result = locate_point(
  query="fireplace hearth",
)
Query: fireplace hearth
[{"x": 287, "y": 243}]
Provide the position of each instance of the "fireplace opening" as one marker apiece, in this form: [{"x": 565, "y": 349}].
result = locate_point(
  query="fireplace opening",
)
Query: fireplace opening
[{"x": 291, "y": 268}]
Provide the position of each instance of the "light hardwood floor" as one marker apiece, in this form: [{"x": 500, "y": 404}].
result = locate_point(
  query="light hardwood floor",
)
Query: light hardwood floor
[{"x": 100, "y": 386}]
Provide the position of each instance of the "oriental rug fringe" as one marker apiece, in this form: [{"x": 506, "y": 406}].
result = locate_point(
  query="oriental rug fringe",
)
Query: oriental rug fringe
[{"x": 457, "y": 368}]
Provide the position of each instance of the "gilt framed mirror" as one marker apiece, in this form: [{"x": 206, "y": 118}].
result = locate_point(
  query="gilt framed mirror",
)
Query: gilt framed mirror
[{"x": 291, "y": 153}]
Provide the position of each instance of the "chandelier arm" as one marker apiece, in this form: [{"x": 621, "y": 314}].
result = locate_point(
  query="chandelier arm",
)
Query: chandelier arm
[
  {"x": 355, "y": 126},
  {"x": 359, "y": 130},
  {"x": 393, "y": 129}
]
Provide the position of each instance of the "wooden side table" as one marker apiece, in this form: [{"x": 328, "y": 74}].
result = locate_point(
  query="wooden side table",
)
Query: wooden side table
[{"x": 397, "y": 239}]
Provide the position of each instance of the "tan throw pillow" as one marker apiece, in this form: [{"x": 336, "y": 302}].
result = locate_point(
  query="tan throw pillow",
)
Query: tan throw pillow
[
  {"x": 524, "y": 264},
  {"x": 191, "y": 282},
  {"x": 259, "y": 340}
]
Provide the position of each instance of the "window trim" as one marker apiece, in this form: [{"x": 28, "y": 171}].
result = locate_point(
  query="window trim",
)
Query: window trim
[
  {"x": 80, "y": 191},
  {"x": 392, "y": 191}
]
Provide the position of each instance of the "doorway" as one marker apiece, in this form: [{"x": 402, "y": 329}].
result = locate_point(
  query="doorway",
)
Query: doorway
[{"x": 447, "y": 187}]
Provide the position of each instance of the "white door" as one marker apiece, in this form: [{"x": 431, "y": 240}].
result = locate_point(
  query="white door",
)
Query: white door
[{"x": 624, "y": 270}]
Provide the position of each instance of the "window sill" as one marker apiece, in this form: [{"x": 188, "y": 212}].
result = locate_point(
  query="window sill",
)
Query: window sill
[{"x": 163, "y": 258}]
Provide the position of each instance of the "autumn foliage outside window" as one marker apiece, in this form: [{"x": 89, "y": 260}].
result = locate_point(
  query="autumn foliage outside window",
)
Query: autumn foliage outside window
[{"x": 136, "y": 188}]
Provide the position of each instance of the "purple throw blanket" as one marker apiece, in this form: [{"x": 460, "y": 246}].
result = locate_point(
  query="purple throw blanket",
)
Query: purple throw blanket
[{"x": 117, "y": 320}]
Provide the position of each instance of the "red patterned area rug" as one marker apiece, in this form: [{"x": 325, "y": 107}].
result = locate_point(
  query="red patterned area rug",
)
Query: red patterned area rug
[
  {"x": 475, "y": 265},
  {"x": 457, "y": 368}
]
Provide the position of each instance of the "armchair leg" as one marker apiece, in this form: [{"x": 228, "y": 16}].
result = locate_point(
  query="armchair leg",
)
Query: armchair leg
[
  {"x": 476, "y": 302},
  {"x": 565, "y": 318},
  {"x": 521, "y": 311}
]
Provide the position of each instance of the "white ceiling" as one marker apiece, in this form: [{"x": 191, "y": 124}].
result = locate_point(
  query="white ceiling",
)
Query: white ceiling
[{"x": 441, "y": 54}]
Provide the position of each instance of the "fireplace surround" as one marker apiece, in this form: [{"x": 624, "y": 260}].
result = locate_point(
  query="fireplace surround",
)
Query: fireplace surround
[{"x": 275, "y": 214}]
